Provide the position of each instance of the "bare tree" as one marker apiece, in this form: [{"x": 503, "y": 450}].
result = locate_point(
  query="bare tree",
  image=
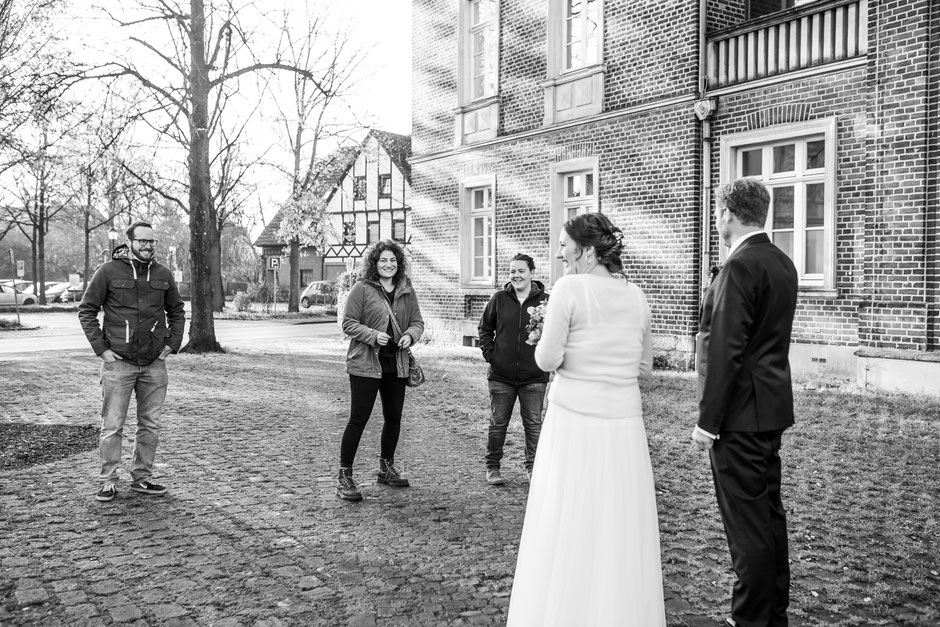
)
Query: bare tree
[
  {"x": 210, "y": 51},
  {"x": 37, "y": 181},
  {"x": 312, "y": 124},
  {"x": 30, "y": 73}
]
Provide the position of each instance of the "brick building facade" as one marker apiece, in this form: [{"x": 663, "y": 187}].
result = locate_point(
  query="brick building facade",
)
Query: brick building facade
[{"x": 528, "y": 111}]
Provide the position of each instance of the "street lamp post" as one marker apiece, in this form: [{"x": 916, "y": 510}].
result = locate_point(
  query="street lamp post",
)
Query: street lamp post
[{"x": 113, "y": 236}]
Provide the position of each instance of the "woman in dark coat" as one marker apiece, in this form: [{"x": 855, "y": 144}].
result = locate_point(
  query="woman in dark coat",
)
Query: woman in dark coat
[{"x": 377, "y": 360}]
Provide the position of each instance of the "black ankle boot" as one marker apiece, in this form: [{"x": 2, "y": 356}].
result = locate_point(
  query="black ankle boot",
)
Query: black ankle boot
[
  {"x": 345, "y": 486},
  {"x": 389, "y": 475}
]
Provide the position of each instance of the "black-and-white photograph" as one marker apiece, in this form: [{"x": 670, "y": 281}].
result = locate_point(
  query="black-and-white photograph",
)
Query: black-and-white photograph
[{"x": 424, "y": 313}]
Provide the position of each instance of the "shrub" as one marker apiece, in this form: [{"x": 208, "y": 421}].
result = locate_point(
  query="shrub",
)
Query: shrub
[{"x": 242, "y": 301}]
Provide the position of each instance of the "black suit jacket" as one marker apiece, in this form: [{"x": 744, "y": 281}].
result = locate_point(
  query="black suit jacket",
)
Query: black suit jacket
[{"x": 744, "y": 341}]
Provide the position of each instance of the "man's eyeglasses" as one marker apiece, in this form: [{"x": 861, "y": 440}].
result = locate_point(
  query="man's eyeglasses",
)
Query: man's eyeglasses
[{"x": 146, "y": 242}]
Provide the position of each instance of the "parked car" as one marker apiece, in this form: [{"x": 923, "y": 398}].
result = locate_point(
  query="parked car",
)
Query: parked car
[
  {"x": 319, "y": 293},
  {"x": 53, "y": 290},
  {"x": 71, "y": 294},
  {"x": 10, "y": 296},
  {"x": 22, "y": 285}
]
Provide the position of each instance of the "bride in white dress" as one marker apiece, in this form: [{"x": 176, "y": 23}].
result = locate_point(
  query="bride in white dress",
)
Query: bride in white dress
[{"x": 589, "y": 552}]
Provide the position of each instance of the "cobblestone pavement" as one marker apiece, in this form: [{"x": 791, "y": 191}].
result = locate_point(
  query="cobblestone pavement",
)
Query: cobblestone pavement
[{"x": 252, "y": 534}]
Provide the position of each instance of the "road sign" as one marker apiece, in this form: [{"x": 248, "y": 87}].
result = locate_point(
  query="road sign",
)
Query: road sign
[
  {"x": 20, "y": 268},
  {"x": 274, "y": 263}
]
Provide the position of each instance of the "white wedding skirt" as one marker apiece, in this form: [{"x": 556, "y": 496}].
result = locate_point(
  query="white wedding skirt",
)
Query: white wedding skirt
[{"x": 589, "y": 552}]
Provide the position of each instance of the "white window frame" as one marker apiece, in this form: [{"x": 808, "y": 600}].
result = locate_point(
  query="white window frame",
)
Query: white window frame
[
  {"x": 468, "y": 213},
  {"x": 476, "y": 117},
  {"x": 581, "y": 27},
  {"x": 732, "y": 149},
  {"x": 560, "y": 203},
  {"x": 572, "y": 92},
  {"x": 384, "y": 178}
]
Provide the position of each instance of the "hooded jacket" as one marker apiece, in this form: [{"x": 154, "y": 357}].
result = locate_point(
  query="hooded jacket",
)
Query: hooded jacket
[
  {"x": 503, "y": 336},
  {"x": 143, "y": 311},
  {"x": 366, "y": 315}
]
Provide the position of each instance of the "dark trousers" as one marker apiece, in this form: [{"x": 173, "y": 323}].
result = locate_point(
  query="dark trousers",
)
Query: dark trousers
[
  {"x": 362, "y": 393},
  {"x": 746, "y": 470},
  {"x": 502, "y": 400}
]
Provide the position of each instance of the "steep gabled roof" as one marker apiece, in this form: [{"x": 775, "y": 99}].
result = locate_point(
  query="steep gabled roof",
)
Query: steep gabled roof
[
  {"x": 398, "y": 148},
  {"x": 336, "y": 166}
]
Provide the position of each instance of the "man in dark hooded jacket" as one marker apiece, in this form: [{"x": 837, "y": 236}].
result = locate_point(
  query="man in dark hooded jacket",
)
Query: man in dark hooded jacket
[
  {"x": 513, "y": 372},
  {"x": 143, "y": 324}
]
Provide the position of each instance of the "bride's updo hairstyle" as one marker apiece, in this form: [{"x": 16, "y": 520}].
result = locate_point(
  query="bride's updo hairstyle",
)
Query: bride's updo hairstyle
[{"x": 596, "y": 229}]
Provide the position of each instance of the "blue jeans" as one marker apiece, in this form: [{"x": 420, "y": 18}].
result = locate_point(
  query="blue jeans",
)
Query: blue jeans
[
  {"x": 148, "y": 383},
  {"x": 502, "y": 400}
]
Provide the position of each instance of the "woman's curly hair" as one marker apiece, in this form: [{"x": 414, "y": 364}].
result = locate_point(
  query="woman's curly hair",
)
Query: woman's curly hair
[{"x": 370, "y": 268}]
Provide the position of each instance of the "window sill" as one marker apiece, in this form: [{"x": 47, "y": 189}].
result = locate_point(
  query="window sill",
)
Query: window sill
[
  {"x": 476, "y": 121},
  {"x": 575, "y": 94},
  {"x": 820, "y": 293},
  {"x": 477, "y": 287}
]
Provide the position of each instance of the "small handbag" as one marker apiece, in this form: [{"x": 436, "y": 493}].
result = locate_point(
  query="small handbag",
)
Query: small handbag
[{"x": 415, "y": 372}]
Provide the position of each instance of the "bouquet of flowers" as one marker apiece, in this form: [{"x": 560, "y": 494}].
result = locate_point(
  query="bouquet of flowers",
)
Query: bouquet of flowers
[{"x": 536, "y": 320}]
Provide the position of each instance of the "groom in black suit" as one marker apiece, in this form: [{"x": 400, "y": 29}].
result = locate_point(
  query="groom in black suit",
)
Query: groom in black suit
[{"x": 747, "y": 399}]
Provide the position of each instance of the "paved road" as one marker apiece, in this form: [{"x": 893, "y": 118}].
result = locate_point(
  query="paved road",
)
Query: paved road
[{"x": 61, "y": 331}]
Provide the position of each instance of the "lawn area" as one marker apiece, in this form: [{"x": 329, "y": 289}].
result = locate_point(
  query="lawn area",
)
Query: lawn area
[{"x": 860, "y": 486}]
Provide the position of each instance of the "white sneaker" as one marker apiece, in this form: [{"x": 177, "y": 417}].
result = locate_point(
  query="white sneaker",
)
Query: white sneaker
[{"x": 493, "y": 477}]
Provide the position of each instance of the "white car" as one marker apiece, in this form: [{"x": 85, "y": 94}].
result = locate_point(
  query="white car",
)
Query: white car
[{"x": 10, "y": 296}]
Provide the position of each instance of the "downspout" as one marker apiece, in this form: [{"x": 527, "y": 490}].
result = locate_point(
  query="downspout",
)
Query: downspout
[
  {"x": 931, "y": 15},
  {"x": 703, "y": 110}
]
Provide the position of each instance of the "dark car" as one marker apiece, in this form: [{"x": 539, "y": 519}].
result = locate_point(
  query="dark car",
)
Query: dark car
[{"x": 319, "y": 293}]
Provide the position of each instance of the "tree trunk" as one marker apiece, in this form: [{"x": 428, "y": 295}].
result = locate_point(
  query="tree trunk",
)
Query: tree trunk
[
  {"x": 202, "y": 224},
  {"x": 87, "y": 250},
  {"x": 293, "y": 299},
  {"x": 215, "y": 273},
  {"x": 86, "y": 268},
  {"x": 41, "y": 242}
]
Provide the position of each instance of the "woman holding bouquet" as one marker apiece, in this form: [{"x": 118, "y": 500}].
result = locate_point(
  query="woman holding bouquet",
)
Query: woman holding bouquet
[
  {"x": 589, "y": 552},
  {"x": 512, "y": 373}
]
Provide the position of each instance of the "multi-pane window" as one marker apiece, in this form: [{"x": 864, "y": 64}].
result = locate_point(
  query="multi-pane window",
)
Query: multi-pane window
[
  {"x": 758, "y": 8},
  {"x": 372, "y": 233},
  {"x": 575, "y": 71},
  {"x": 477, "y": 233},
  {"x": 582, "y": 33},
  {"x": 398, "y": 230},
  {"x": 574, "y": 191},
  {"x": 481, "y": 233},
  {"x": 483, "y": 51},
  {"x": 349, "y": 232},
  {"x": 385, "y": 185},
  {"x": 359, "y": 188},
  {"x": 578, "y": 189},
  {"x": 801, "y": 215}
]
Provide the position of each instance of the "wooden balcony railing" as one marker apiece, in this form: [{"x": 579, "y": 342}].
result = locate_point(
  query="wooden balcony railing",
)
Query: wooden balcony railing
[{"x": 802, "y": 37}]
